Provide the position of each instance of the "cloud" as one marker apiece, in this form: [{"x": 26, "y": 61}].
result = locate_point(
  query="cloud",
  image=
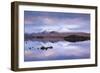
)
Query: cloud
[{"x": 54, "y": 23}]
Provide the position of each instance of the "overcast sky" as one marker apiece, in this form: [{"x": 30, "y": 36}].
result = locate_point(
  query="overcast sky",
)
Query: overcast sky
[{"x": 36, "y": 22}]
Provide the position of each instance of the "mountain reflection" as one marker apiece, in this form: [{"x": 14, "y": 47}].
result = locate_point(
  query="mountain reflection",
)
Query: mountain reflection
[{"x": 55, "y": 37}]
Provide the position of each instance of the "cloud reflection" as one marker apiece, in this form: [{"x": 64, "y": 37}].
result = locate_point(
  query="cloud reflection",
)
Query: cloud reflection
[{"x": 61, "y": 50}]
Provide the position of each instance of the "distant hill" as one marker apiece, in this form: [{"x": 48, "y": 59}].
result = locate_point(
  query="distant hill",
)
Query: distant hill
[{"x": 55, "y": 36}]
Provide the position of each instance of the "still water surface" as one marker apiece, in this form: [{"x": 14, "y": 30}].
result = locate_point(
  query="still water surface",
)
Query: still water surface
[{"x": 62, "y": 50}]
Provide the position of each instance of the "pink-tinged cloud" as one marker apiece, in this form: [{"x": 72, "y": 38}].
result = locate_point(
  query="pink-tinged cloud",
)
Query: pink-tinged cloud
[{"x": 49, "y": 23}]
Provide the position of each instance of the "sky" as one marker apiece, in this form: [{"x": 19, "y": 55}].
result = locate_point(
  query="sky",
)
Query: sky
[{"x": 39, "y": 21}]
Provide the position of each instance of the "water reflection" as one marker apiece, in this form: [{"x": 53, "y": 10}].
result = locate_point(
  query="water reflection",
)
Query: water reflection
[{"x": 40, "y": 51}]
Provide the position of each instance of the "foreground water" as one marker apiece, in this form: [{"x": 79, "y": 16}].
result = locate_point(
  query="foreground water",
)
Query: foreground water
[{"x": 62, "y": 50}]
